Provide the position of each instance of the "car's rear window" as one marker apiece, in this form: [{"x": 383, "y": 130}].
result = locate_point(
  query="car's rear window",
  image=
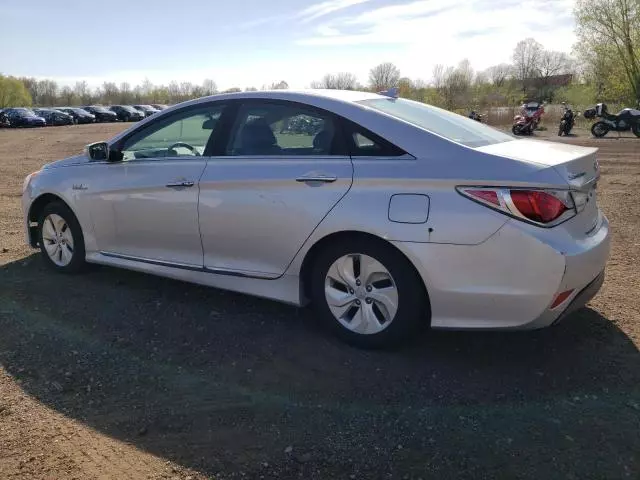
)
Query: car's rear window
[{"x": 449, "y": 125}]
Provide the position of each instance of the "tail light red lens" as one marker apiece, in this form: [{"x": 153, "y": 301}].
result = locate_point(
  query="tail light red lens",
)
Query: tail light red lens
[
  {"x": 545, "y": 208},
  {"x": 490, "y": 196},
  {"x": 538, "y": 206}
]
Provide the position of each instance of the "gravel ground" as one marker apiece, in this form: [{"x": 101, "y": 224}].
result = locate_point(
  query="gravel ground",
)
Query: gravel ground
[{"x": 115, "y": 374}]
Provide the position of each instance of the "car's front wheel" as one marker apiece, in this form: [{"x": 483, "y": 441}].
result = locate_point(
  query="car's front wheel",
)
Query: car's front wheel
[
  {"x": 368, "y": 293},
  {"x": 60, "y": 238}
]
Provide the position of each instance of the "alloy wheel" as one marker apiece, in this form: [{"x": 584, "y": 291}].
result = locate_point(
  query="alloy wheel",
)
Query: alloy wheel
[
  {"x": 57, "y": 240},
  {"x": 361, "y": 294}
]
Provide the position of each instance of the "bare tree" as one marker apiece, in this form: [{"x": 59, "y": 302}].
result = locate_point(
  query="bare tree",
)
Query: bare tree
[
  {"x": 337, "y": 81},
  {"x": 384, "y": 76},
  {"x": 48, "y": 92},
  {"x": 125, "y": 93},
  {"x": 499, "y": 74},
  {"x": 209, "y": 87},
  {"x": 454, "y": 84},
  {"x": 173, "y": 92},
  {"x": 110, "y": 93},
  {"x": 554, "y": 63},
  {"x": 281, "y": 85},
  {"x": 526, "y": 60},
  {"x": 67, "y": 97},
  {"x": 82, "y": 92}
]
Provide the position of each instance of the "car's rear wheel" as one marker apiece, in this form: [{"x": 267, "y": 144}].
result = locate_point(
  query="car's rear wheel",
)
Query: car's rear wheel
[
  {"x": 60, "y": 238},
  {"x": 368, "y": 293}
]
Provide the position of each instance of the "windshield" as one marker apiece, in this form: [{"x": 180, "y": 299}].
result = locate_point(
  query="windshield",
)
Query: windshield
[
  {"x": 100, "y": 109},
  {"x": 449, "y": 125},
  {"x": 129, "y": 109},
  {"x": 21, "y": 112}
]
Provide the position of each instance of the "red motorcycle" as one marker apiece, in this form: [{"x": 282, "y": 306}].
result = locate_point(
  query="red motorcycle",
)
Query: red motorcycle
[{"x": 527, "y": 121}]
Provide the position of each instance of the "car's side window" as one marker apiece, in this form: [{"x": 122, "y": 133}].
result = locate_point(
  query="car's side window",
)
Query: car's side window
[
  {"x": 282, "y": 129},
  {"x": 182, "y": 134},
  {"x": 363, "y": 143}
]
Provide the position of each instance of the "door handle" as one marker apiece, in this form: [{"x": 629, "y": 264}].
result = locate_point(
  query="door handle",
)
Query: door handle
[
  {"x": 317, "y": 177},
  {"x": 182, "y": 183}
]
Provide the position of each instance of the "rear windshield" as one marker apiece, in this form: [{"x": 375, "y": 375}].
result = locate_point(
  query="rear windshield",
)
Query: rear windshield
[{"x": 449, "y": 125}]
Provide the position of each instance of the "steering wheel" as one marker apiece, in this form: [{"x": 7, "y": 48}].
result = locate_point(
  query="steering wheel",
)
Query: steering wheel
[{"x": 172, "y": 149}]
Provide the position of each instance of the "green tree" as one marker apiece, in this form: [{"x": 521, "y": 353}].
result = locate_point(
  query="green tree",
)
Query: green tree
[
  {"x": 615, "y": 24},
  {"x": 13, "y": 93}
]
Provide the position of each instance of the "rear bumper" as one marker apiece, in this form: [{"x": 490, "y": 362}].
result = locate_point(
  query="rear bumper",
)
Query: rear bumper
[
  {"x": 510, "y": 281},
  {"x": 583, "y": 297}
]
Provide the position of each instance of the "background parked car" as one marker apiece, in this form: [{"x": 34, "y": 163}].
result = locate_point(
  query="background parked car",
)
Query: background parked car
[
  {"x": 159, "y": 106},
  {"x": 54, "y": 117},
  {"x": 148, "y": 110},
  {"x": 23, "y": 117},
  {"x": 79, "y": 115},
  {"x": 101, "y": 113},
  {"x": 126, "y": 113}
]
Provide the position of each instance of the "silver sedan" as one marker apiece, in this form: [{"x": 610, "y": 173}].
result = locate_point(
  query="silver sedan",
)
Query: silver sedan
[{"x": 385, "y": 213}]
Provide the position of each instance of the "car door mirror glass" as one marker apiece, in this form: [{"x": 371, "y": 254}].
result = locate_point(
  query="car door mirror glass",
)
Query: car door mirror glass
[
  {"x": 98, "y": 151},
  {"x": 209, "y": 124}
]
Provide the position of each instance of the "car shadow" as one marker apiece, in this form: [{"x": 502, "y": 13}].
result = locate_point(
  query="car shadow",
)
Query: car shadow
[{"x": 221, "y": 382}]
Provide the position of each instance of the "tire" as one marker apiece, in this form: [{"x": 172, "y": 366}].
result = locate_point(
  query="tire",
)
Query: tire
[
  {"x": 635, "y": 128},
  {"x": 57, "y": 218},
  {"x": 561, "y": 129},
  {"x": 516, "y": 130},
  {"x": 599, "y": 129},
  {"x": 404, "y": 292}
]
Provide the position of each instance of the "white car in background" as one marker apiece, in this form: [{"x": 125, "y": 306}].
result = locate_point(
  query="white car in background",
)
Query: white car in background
[{"x": 385, "y": 213}]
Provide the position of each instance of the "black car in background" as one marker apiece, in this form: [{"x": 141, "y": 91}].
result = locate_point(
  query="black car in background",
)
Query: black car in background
[
  {"x": 23, "y": 117},
  {"x": 127, "y": 113},
  {"x": 54, "y": 117},
  {"x": 101, "y": 113},
  {"x": 148, "y": 110},
  {"x": 79, "y": 115},
  {"x": 159, "y": 106}
]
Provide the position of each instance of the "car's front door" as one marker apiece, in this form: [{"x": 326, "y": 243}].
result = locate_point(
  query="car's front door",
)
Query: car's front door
[
  {"x": 146, "y": 205},
  {"x": 281, "y": 171}
]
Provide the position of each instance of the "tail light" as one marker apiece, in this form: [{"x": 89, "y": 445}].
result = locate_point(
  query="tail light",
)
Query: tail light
[{"x": 545, "y": 208}]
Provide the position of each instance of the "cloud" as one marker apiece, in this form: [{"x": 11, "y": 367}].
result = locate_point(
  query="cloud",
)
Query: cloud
[
  {"x": 325, "y": 8},
  {"x": 306, "y": 15},
  {"x": 422, "y": 33}
]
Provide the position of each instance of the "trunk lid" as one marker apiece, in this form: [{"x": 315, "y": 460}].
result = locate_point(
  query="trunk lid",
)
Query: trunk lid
[{"x": 577, "y": 166}]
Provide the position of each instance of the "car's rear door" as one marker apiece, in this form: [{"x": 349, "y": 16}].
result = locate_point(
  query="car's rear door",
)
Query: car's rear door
[
  {"x": 145, "y": 207},
  {"x": 282, "y": 169}
]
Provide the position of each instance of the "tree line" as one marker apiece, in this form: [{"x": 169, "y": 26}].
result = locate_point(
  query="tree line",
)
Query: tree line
[{"x": 604, "y": 66}]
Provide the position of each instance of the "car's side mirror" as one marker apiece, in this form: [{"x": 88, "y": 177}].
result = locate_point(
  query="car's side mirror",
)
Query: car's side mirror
[
  {"x": 98, "y": 151},
  {"x": 209, "y": 124}
]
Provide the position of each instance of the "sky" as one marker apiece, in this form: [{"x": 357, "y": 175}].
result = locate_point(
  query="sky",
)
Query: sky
[{"x": 244, "y": 43}]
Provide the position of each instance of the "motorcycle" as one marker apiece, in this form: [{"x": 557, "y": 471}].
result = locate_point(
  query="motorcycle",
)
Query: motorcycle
[
  {"x": 527, "y": 121},
  {"x": 567, "y": 121},
  {"x": 475, "y": 116},
  {"x": 627, "y": 119}
]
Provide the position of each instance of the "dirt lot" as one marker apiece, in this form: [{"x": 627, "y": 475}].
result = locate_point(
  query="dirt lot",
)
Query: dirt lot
[{"x": 120, "y": 375}]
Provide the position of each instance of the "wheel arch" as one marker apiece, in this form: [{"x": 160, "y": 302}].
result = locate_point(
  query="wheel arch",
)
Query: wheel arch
[
  {"x": 307, "y": 264},
  {"x": 35, "y": 210}
]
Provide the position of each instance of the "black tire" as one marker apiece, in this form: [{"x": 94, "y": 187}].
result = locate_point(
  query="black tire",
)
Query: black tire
[
  {"x": 635, "y": 128},
  {"x": 561, "y": 129},
  {"x": 599, "y": 129},
  {"x": 77, "y": 263},
  {"x": 516, "y": 130},
  {"x": 413, "y": 305}
]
